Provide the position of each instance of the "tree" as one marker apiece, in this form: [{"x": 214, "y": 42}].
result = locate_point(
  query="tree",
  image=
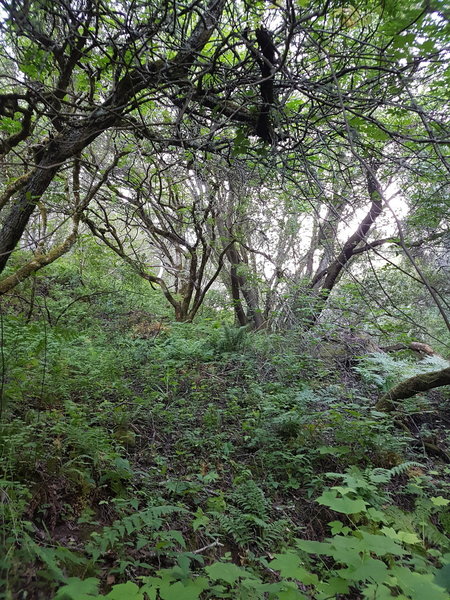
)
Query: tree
[
  {"x": 332, "y": 102},
  {"x": 84, "y": 68},
  {"x": 161, "y": 221},
  {"x": 414, "y": 385}
]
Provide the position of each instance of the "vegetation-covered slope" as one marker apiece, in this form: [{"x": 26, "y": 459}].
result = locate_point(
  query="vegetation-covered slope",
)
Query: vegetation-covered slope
[{"x": 209, "y": 461}]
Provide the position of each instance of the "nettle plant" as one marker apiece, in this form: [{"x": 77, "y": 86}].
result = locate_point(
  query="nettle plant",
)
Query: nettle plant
[{"x": 374, "y": 551}]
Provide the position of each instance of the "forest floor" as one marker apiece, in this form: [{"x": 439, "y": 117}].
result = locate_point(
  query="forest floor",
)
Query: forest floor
[{"x": 172, "y": 461}]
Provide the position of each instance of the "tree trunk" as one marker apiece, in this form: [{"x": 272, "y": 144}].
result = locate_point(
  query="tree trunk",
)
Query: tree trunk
[
  {"x": 335, "y": 269},
  {"x": 412, "y": 386},
  {"x": 22, "y": 210},
  {"x": 333, "y": 272},
  {"x": 240, "y": 285},
  {"x": 237, "y": 302}
]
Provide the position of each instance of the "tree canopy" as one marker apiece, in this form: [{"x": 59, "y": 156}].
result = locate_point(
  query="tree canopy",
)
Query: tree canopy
[{"x": 332, "y": 106}]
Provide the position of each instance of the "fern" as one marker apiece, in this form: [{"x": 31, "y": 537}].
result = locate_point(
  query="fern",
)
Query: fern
[
  {"x": 232, "y": 339},
  {"x": 146, "y": 522},
  {"x": 249, "y": 498},
  {"x": 380, "y": 475},
  {"x": 383, "y": 370},
  {"x": 247, "y": 522},
  {"x": 419, "y": 521},
  {"x": 236, "y": 527}
]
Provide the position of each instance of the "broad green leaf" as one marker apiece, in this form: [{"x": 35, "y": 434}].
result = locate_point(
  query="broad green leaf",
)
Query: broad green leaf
[
  {"x": 408, "y": 538},
  {"x": 418, "y": 586},
  {"x": 376, "y": 515},
  {"x": 378, "y": 544},
  {"x": 376, "y": 133},
  {"x": 289, "y": 566},
  {"x": 369, "y": 569},
  {"x": 376, "y": 591},
  {"x": 177, "y": 536},
  {"x": 443, "y": 577},
  {"x": 334, "y": 586},
  {"x": 401, "y": 536},
  {"x": 78, "y": 589},
  {"x": 151, "y": 586},
  {"x": 290, "y": 594},
  {"x": 313, "y": 547},
  {"x": 402, "y": 41},
  {"x": 339, "y": 527},
  {"x": 260, "y": 586},
  {"x": 201, "y": 520},
  {"x": 439, "y": 501},
  {"x": 190, "y": 590},
  {"x": 125, "y": 591},
  {"x": 344, "y": 505},
  {"x": 227, "y": 572}
]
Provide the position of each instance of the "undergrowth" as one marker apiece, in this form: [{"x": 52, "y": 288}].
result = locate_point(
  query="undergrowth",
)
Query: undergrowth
[{"x": 205, "y": 461}]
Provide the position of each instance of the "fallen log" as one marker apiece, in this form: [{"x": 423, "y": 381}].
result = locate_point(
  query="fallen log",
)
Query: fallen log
[
  {"x": 412, "y": 386},
  {"x": 415, "y": 346}
]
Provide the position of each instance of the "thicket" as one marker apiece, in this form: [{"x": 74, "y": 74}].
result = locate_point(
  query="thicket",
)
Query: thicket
[{"x": 143, "y": 458}]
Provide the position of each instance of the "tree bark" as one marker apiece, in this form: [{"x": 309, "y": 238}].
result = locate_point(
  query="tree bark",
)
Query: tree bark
[
  {"x": 331, "y": 274},
  {"x": 412, "y": 386},
  {"x": 39, "y": 262},
  {"x": 240, "y": 285}
]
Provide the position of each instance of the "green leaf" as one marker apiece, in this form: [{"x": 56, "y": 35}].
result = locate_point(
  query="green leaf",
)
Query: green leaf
[
  {"x": 189, "y": 590},
  {"x": 443, "y": 577},
  {"x": 402, "y": 536},
  {"x": 401, "y": 41},
  {"x": 376, "y": 515},
  {"x": 78, "y": 589},
  {"x": 201, "y": 520},
  {"x": 9, "y": 125},
  {"x": 290, "y": 594},
  {"x": 125, "y": 591},
  {"x": 177, "y": 536},
  {"x": 240, "y": 143},
  {"x": 313, "y": 547},
  {"x": 227, "y": 572},
  {"x": 344, "y": 505},
  {"x": 151, "y": 586},
  {"x": 376, "y": 133},
  {"x": 259, "y": 586},
  {"x": 339, "y": 527},
  {"x": 333, "y": 587},
  {"x": 369, "y": 569},
  {"x": 376, "y": 591},
  {"x": 439, "y": 501},
  {"x": 289, "y": 566},
  {"x": 378, "y": 544},
  {"x": 418, "y": 586}
]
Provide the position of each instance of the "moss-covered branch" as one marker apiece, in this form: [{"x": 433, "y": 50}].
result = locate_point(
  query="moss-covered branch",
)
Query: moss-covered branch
[{"x": 413, "y": 385}]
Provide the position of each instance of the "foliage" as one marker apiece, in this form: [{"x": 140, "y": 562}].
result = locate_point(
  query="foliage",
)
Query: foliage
[
  {"x": 217, "y": 221},
  {"x": 147, "y": 449},
  {"x": 383, "y": 370}
]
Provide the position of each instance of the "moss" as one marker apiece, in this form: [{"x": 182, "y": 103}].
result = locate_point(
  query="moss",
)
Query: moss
[{"x": 413, "y": 385}]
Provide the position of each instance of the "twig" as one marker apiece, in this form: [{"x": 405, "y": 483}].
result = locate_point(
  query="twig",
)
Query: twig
[{"x": 212, "y": 545}]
